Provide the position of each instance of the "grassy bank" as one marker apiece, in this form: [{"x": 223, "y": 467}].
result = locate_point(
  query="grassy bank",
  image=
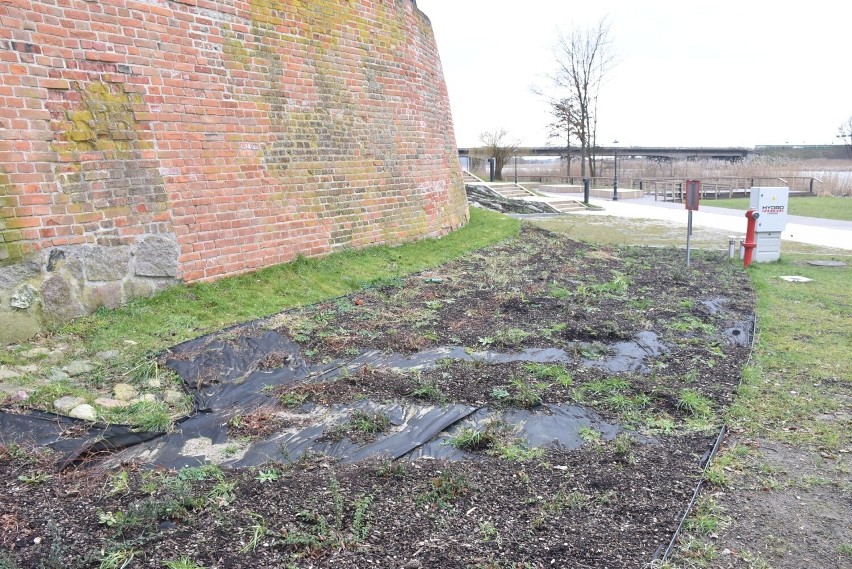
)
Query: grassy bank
[
  {"x": 826, "y": 207},
  {"x": 802, "y": 366},
  {"x": 186, "y": 312}
]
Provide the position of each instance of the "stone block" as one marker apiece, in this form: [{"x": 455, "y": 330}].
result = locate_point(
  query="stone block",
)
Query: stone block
[
  {"x": 13, "y": 276},
  {"x": 24, "y": 297},
  {"x": 105, "y": 263},
  {"x": 109, "y": 295},
  {"x": 157, "y": 256},
  {"x": 65, "y": 404},
  {"x": 85, "y": 412},
  {"x": 58, "y": 301},
  {"x": 18, "y": 325}
]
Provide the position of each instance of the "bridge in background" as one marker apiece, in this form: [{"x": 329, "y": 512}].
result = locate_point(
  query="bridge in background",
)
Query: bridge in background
[{"x": 656, "y": 152}]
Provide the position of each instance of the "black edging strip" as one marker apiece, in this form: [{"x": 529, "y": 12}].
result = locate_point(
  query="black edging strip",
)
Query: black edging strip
[{"x": 713, "y": 452}]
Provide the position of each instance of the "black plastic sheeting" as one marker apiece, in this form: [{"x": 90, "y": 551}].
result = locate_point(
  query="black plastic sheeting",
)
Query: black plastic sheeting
[
  {"x": 228, "y": 374},
  {"x": 76, "y": 441}
]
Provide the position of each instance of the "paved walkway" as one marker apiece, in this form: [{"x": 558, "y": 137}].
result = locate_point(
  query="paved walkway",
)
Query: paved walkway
[{"x": 811, "y": 230}]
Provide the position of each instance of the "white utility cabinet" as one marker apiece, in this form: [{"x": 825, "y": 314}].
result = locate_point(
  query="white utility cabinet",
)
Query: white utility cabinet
[{"x": 771, "y": 204}]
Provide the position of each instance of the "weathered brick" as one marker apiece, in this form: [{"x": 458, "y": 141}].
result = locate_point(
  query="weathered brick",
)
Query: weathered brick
[{"x": 233, "y": 126}]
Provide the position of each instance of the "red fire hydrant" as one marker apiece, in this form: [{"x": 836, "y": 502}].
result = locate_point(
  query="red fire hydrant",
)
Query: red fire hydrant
[{"x": 750, "y": 241}]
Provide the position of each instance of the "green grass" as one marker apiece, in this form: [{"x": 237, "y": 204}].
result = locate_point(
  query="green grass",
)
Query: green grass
[
  {"x": 185, "y": 312},
  {"x": 826, "y": 207},
  {"x": 802, "y": 363},
  {"x": 656, "y": 233}
]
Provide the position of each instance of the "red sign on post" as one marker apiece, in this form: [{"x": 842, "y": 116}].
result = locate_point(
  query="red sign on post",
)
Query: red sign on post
[{"x": 692, "y": 192}]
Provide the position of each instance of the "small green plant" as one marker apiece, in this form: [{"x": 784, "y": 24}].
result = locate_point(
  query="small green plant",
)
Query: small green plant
[
  {"x": 589, "y": 434},
  {"x": 526, "y": 394},
  {"x": 119, "y": 483},
  {"x": 428, "y": 390},
  {"x": 362, "y": 518},
  {"x": 694, "y": 404},
  {"x": 488, "y": 531},
  {"x": 223, "y": 493},
  {"x": 689, "y": 323},
  {"x": 661, "y": 424},
  {"x": 390, "y": 469},
  {"x": 512, "y": 337},
  {"x": 292, "y": 399},
  {"x": 369, "y": 423},
  {"x": 269, "y": 475},
  {"x": 111, "y": 519},
  {"x": 35, "y": 478},
  {"x": 552, "y": 372},
  {"x": 183, "y": 563},
  {"x": 118, "y": 558},
  {"x": 201, "y": 473},
  {"x": 258, "y": 531},
  {"x": 558, "y": 292},
  {"x": 230, "y": 450},
  {"x": 444, "y": 490},
  {"x": 471, "y": 439},
  {"x": 517, "y": 451},
  {"x": 845, "y": 549},
  {"x": 618, "y": 285},
  {"x": 623, "y": 444},
  {"x": 501, "y": 394}
]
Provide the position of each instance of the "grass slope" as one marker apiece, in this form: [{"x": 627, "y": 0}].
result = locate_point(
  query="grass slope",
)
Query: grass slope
[{"x": 185, "y": 312}]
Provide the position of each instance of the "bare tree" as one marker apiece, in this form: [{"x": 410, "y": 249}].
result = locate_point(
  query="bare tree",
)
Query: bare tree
[
  {"x": 583, "y": 58},
  {"x": 566, "y": 123},
  {"x": 498, "y": 146},
  {"x": 844, "y": 131}
]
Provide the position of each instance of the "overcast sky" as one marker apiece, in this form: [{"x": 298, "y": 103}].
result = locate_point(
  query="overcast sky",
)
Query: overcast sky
[{"x": 721, "y": 73}]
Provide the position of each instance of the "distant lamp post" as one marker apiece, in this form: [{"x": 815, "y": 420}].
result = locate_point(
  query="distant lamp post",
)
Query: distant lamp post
[
  {"x": 843, "y": 137},
  {"x": 516, "y": 169},
  {"x": 615, "y": 173}
]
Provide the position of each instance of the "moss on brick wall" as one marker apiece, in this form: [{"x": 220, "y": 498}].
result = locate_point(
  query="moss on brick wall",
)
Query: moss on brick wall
[{"x": 253, "y": 131}]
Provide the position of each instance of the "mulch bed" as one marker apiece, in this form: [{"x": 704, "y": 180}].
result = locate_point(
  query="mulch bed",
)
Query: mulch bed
[{"x": 607, "y": 504}]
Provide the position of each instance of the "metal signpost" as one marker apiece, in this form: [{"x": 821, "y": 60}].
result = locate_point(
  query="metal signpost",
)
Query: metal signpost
[{"x": 693, "y": 196}]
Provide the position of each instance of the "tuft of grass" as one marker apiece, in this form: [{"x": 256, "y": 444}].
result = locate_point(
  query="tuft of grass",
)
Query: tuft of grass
[
  {"x": 525, "y": 393},
  {"x": 552, "y": 372},
  {"x": 428, "y": 390},
  {"x": 153, "y": 416},
  {"x": 471, "y": 438},
  {"x": 694, "y": 404},
  {"x": 369, "y": 423},
  {"x": 183, "y": 563},
  {"x": 444, "y": 490},
  {"x": 706, "y": 517}
]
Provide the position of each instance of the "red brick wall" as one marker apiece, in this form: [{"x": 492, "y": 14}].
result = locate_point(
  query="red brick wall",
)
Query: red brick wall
[{"x": 250, "y": 131}]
